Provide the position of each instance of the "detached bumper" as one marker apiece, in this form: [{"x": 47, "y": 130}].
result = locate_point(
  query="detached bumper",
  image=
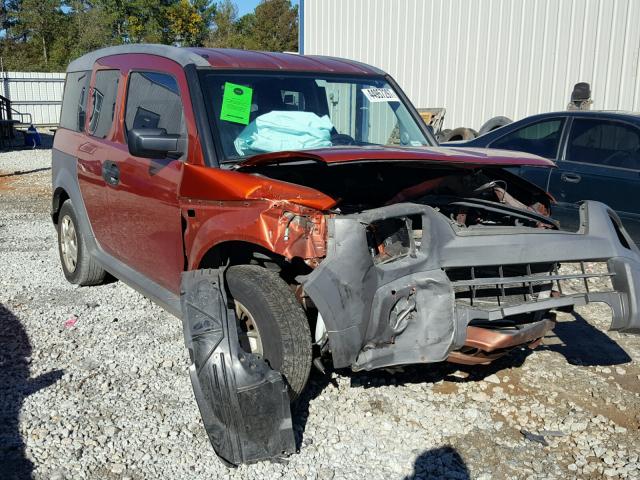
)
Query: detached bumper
[{"x": 417, "y": 308}]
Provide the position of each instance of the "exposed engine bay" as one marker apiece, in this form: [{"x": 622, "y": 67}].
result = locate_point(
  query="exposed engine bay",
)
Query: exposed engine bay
[{"x": 468, "y": 196}]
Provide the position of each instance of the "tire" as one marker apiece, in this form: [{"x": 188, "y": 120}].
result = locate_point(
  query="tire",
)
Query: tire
[
  {"x": 442, "y": 135},
  {"x": 280, "y": 320},
  {"x": 86, "y": 270},
  {"x": 493, "y": 124},
  {"x": 460, "y": 133}
]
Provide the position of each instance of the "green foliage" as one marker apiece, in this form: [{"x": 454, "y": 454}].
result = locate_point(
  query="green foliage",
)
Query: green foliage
[
  {"x": 224, "y": 33},
  {"x": 276, "y": 26},
  {"x": 45, "y": 35}
]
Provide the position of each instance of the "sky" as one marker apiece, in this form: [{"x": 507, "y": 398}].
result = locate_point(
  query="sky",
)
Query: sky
[{"x": 247, "y": 6}]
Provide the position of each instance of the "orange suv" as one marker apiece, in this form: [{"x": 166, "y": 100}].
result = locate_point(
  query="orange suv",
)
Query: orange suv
[{"x": 295, "y": 210}]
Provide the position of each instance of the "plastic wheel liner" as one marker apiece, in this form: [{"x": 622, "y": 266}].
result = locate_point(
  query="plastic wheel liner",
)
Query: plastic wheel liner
[{"x": 243, "y": 402}]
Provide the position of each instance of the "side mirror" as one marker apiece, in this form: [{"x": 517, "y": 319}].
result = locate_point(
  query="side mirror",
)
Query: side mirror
[{"x": 153, "y": 143}]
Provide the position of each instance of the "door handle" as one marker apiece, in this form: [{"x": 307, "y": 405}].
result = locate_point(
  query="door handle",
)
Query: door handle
[
  {"x": 111, "y": 172},
  {"x": 570, "y": 177}
]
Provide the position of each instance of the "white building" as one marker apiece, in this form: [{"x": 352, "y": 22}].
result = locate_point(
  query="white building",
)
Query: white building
[{"x": 482, "y": 58}]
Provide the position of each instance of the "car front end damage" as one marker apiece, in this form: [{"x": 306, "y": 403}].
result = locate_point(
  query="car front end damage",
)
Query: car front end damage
[
  {"x": 431, "y": 257},
  {"x": 462, "y": 294}
]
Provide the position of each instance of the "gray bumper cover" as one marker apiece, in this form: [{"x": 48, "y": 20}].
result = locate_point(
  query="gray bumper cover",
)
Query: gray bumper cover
[{"x": 405, "y": 311}]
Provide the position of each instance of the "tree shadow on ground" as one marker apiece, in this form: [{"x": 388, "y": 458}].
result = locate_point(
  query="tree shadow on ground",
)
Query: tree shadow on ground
[
  {"x": 439, "y": 463},
  {"x": 583, "y": 344},
  {"x": 15, "y": 385}
]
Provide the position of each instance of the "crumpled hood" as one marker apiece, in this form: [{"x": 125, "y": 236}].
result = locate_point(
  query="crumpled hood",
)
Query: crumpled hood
[{"x": 459, "y": 156}]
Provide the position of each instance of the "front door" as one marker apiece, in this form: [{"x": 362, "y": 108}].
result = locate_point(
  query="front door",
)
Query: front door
[
  {"x": 542, "y": 138},
  {"x": 146, "y": 227},
  {"x": 601, "y": 162}
]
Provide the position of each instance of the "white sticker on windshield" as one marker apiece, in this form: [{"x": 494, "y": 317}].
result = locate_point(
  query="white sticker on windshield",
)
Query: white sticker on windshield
[{"x": 376, "y": 95}]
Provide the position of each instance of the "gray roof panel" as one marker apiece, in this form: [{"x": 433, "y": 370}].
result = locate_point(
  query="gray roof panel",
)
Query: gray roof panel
[{"x": 180, "y": 55}]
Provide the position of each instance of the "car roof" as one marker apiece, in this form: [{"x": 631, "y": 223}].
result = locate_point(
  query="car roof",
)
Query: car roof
[
  {"x": 226, "y": 58},
  {"x": 635, "y": 116}
]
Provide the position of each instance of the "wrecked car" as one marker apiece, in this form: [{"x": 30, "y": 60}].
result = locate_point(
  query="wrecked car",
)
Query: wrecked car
[{"x": 294, "y": 210}]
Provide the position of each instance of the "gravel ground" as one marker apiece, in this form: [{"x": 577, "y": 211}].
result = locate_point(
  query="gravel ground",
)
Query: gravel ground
[{"x": 109, "y": 397}]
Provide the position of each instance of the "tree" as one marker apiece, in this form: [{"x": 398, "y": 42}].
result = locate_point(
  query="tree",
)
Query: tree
[
  {"x": 90, "y": 28},
  {"x": 44, "y": 35},
  {"x": 42, "y": 20},
  {"x": 189, "y": 22},
  {"x": 8, "y": 14},
  {"x": 276, "y": 26},
  {"x": 244, "y": 28},
  {"x": 225, "y": 32}
]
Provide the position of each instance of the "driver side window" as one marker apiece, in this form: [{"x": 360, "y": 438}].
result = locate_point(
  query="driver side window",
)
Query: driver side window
[
  {"x": 153, "y": 101},
  {"x": 607, "y": 143}
]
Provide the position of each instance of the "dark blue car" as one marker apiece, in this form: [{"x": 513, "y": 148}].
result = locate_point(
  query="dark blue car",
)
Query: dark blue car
[{"x": 597, "y": 154}]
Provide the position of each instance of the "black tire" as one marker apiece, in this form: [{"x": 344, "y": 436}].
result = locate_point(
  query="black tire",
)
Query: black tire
[
  {"x": 493, "y": 124},
  {"x": 461, "y": 133},
  {"x": 443, "y": 135},
  {"x": 280, "y": 320},
  {"x": 87, "y": 271}
]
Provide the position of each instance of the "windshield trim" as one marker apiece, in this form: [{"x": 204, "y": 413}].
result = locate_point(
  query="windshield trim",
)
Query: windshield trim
[{"x": 223, "y": 159}]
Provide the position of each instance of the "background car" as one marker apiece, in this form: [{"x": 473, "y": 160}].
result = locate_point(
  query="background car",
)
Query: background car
[{"x": 597, "y": 154}]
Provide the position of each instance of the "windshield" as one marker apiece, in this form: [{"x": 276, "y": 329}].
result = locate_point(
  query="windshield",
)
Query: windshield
[{"x": 269, "y": 112}]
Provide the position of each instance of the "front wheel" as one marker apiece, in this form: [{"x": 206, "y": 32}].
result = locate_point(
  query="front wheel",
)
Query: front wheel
[
  {"x": 271, "y": 323},
  {"x": 78, "y": 265}
]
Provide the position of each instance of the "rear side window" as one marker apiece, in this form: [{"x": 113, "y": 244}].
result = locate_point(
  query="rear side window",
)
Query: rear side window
[
  {"x": 153, "y": 101},
  {"x": 541, "y": 138},
  {"x": 608, "y": 143},
  {"x": 74, "y": 105},
  {"x": 104, "y": 102}
]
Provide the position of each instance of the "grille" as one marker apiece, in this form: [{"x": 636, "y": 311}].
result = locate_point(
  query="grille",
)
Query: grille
[{"x": 505, "y": 285}]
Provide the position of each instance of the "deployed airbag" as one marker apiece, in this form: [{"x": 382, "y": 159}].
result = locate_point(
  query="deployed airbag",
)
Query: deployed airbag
[{"x": 278, "y": 131}]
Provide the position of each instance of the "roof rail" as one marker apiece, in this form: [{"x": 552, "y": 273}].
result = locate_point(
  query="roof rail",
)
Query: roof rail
[{"x": 181, "y": 55}]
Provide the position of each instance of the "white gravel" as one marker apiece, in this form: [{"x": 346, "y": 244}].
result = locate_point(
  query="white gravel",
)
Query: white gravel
[{"x": 110, "y": 397}]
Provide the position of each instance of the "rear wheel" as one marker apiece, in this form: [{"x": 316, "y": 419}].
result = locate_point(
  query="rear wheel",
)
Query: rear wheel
[
  {"x": 78, "y": 265},
  {"x": 271, "y": 323}
]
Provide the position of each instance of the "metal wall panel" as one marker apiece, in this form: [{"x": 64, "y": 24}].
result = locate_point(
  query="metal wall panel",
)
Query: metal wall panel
[
  {"x": 482, "y": 58},
  {"x": 35, "y": 93}
]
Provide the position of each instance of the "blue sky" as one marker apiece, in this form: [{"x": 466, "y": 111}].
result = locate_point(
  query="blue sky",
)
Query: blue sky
[{"x": 247, "y": 6}]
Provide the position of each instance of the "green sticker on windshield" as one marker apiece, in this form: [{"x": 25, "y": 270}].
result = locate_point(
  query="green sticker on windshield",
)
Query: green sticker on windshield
[{"x": 236, "y": 103}]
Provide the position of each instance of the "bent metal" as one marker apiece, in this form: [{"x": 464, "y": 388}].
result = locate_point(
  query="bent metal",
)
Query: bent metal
[{"x": 295, "y": 210}]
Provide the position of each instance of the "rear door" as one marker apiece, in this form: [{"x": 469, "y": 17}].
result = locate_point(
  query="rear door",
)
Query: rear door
[
  {"x": 542, "y": 138},
  {"x": 147, "y": 224},
  {"x": 601, "y": 162},
  {"x": 94, "y": 149}
]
